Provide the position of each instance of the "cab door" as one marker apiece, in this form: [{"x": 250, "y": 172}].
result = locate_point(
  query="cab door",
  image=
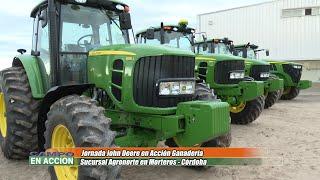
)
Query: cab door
[{"x": 40, "y": 46}]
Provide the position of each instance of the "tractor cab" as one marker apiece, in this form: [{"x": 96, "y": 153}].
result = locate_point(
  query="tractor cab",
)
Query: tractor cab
[
  {"x": 249, "y": 51},
  {"x": 214, "y": 46},
  {"x": 178, "y": 36},
  {"x": 66, "y": 31},
  {"x": 290, "y": 72}
]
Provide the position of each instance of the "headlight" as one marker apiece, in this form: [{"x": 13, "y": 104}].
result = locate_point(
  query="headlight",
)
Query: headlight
[
  {"x": 264, "y": 74},
  {"x": 81, "y": 1},
  {"x": 236, "y": 75},
  {"x": 297, "y": 66},
  {"x": 177, "y": 88}
]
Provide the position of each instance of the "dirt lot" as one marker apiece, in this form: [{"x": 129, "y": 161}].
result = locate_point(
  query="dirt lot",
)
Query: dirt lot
[{"x": 289, "y": 131}]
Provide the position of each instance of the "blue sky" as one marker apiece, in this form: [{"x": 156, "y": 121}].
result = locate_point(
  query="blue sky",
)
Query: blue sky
[{"x": 16, "y": 24}]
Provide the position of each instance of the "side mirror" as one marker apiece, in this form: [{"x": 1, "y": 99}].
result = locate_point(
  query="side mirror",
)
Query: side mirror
[
  {"x": 245, "y": 53},
  {"x": 21, "y": 51},
  {"x": 125, "y": 21},
  {"x": 205, "y": 46},
  {"x": 267, "y": 53},
  {"x": 150, "y": 34},
  {"x": 44, "y": 18},
  {"x": 204, "y": 38},
  {"x": 231, "y": 48}
]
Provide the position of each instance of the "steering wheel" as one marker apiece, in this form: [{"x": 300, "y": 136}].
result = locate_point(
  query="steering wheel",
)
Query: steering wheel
[{"x": 84, "y": 44}]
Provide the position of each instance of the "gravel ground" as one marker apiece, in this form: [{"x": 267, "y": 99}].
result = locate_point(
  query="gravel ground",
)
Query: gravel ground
[{"x": 289, "y": 132}]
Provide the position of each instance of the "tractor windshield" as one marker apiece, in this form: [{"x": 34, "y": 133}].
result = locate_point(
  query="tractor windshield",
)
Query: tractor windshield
[
  {"x": 85, "y": 28},
  {"x": 251, "y": 54},
  {"x": 221, "y": 48},
  {"x": 171, "y": 38},
  {"x": 215, "y": 48}
]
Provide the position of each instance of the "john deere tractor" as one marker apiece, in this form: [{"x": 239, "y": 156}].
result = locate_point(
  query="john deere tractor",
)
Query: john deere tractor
[
  {"x": 84, "y": 85},
  {"x": 260, "y": 70},
  {"x": 224, "y": 73},
  {"x": 288, "y": 71}
]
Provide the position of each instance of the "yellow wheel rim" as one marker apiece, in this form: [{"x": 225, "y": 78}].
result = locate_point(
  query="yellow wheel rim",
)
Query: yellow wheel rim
[
  {"x": 61, "y": 138},
  {"x": 3, "y": 118},
  {"x": 239, "y": 108}
]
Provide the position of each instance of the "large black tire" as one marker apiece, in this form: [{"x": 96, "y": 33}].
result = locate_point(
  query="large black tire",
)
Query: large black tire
[
  {"x": 206, "y": 94},
  {"x": 272, "y": 98},
  {"x": 250, "y": 113},
  {"x": 280, "y": 94},
  {"x": 21, "y": 114},
  {"x": 88, "y": 127},
  {"x": 221, "y": 141},
  {"x": 293, "y": 93}
]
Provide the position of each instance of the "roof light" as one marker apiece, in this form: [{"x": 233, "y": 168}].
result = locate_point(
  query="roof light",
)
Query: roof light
[
  {"x": 216, "y": 41},
  {"x": 183, "y": 22},
  {"x": 167, "y": 28}
]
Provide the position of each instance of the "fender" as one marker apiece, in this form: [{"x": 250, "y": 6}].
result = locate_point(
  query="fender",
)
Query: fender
[
  {"x": 286, "y": 78},
  {"x": 54, "y": 94},
  {"x": 31, "y": 66}
]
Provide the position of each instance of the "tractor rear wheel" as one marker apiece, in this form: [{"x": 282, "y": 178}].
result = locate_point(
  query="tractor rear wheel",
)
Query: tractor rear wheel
[
  {"x": 206, "y": 94},
  {"x": 247, "y": 112},
  {"x": 290, "y": 93},
  {"x": 75, "y": 121},
  {"x": 271, "y": 99},
  {"x": 18, "y": 114}
]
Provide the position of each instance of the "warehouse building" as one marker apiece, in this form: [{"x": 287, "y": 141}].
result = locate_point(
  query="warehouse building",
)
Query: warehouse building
[{"x": 290, "y": 29}]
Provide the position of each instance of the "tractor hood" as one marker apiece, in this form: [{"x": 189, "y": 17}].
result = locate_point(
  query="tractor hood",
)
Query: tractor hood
[
  {"x": 139, "y": 50},
  {"x": 282, "y": 62},
  {"x": 218, "y": 57},
  {"x": 256, "y": 62}
]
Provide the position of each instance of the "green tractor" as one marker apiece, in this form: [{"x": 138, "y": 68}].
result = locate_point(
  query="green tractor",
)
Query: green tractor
[
  {"x": 85, "y": 85},
  {"x": 288, "y": 71},
  {"x": 223, "y": 73},
  {"x": 260, "y": 70}
]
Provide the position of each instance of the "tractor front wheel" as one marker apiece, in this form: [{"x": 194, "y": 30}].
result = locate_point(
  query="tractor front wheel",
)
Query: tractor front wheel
[
  {"x": 75, "y": 121},
  {"x": 18, "y": 114},
  {"x": 247, "y": 112},
  {"x": 290, "y": 93},
  {"x": 221, "y": 141},
  {"x": 271, "y": 98}
]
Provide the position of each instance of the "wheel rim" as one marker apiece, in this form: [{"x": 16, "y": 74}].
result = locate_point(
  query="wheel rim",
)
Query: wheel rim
[
  {"x": 3, "y": 118},
  {"x": 61, "y": 138},
  {"x": 238, "y": 108}
]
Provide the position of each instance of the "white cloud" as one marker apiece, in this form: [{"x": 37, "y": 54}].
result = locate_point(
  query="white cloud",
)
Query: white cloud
[
  {"x": 6, "y": 60},
  {"x": 23, "y": 38},
  {"x": 18, "y": 7},
  {"x": 151, "y": 13}
]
